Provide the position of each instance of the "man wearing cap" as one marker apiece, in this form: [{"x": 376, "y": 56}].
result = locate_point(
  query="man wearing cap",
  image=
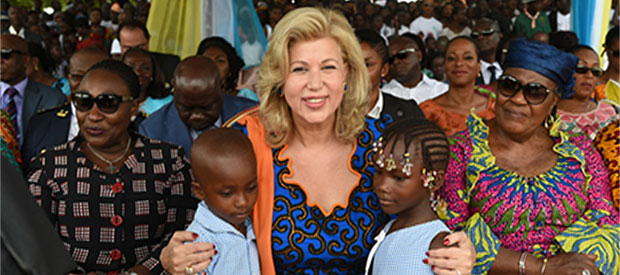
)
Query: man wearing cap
[{"x": 532, "y": 19}]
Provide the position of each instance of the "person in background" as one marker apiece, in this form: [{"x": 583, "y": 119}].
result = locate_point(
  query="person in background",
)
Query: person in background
[
  {"x": 457, "y": 26},
  {"x": 228, "y": 63},
  {"x": 532, "y": 19},
  {"x": 612, "y": 73},
  {"x": 120, "y": 194},
  {"x": 426, "y": 24},
  {"x": 384, "y": 106},
  {"x": 198, "y": 104},
  {"x": 408, "y": 81},
  {"x": 39, "y": 70},
  {"x": 487, "y": 35},
  {"x": 606, "y": 142},
  {"x": 521, "y": 154},
  {"x": 436, "y": 62},
  {"x": 450, "y": 110},
  {"x": 22, "y": 97},
  {"x": 579, "y": 114},
  {"x": 153, "y": 93}
]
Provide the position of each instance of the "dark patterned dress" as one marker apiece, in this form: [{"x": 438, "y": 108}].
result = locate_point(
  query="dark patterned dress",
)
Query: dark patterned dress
[
  {"x": 305, "y": 239},
  {"x": 111, "y": 222}
]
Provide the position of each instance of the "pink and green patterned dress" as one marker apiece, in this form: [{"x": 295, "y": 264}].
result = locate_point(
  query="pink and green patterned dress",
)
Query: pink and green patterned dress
[
  {"x": 567, "y": 208},
  {"x": 587, "y": 123}
]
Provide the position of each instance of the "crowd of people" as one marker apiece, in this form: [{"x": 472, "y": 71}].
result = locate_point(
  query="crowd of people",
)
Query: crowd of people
[{"x": 431, "y": 137}]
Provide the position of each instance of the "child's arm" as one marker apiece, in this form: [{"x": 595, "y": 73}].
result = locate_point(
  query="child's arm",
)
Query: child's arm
[{"x": 449, "y": 254}]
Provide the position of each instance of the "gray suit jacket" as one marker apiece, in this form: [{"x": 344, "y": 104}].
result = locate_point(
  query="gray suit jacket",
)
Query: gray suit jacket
[{"x": 38, "y": 97}]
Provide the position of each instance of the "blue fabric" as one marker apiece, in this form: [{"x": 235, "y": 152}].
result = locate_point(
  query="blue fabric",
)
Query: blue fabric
[
  {"x": 236, "y": 254},
  {"x": 402, "y": 251},
  {"x": 166, "y": 124},
  {"x": 63, "y": 85},
  {"x": 151, "y": 105},
  {"x": 306, "y": 240},
  {"x": 250, "y": 41},
  {"x": 247, "y": 93},
  {"x": 544, "y": 59}
]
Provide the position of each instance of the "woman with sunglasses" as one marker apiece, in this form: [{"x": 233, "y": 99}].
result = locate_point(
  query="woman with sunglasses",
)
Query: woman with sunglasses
[
  {"x": 113, "y": 195},
  {"x": 543, "y": 194},
  {"x": 612, "y": 50},
  {"x": 579, "y": 114},
  {"x": 450, "y": 110}
]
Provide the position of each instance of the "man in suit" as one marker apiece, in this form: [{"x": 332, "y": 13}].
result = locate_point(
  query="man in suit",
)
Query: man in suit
[
  {"x": 133, "y": 34},
  {"x": 18, "y": 27},
  {"x": 487, "y": 33},
  {"x": 21, "y": 97},
  {"x": 58, "y": 125},
  {"x": 198, "y": 104}
]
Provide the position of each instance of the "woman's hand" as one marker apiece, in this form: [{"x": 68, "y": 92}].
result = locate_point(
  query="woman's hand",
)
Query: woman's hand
[
  {"x": 458, "y": 259},
  {"x": 572, "y": 263},
  {"x": 178, "y": 255}
]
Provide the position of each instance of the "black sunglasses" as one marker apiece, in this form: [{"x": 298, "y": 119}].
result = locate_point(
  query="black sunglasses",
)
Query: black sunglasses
[
  {"x": 534, "y": 93},
  {"x": 581, "y": 69},
  {"x": 402, "y": 54},
  {"x": 476, "y": 34},
  {"x": 107, "y": 103},
  {"x": 7, "y": 53}
]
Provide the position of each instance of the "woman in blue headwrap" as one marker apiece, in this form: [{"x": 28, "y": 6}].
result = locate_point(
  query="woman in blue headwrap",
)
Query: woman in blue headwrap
[{"x": 542, "y": 196}]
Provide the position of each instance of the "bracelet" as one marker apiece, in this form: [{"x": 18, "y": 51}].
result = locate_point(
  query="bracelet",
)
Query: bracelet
[
  {"x": 542, "y": 270},
  {"x": 522, "y": 263}
]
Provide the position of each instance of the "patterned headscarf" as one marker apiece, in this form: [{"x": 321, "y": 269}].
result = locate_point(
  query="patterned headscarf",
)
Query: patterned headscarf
[{"x": 546, "y": 60}]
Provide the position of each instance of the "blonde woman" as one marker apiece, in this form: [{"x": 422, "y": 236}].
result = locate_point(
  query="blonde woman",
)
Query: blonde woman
[{"x": 316, "y": 212}]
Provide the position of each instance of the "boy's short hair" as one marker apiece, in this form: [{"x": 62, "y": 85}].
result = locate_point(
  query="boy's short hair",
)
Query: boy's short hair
[{"x": 220, "y": 142}]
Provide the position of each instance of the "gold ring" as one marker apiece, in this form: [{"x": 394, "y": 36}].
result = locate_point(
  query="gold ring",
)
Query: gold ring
[{"x": 189, "y": 270}]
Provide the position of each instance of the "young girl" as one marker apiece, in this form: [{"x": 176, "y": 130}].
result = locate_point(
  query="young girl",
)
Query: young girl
[{"x": 411, "y": 158}]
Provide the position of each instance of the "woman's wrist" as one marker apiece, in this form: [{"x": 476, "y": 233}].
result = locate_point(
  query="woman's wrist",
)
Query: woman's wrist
[{"x": 533, "y": 265}]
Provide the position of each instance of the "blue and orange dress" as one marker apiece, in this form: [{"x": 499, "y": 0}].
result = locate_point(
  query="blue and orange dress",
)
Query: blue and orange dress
[{"x": 302, "y": 238}]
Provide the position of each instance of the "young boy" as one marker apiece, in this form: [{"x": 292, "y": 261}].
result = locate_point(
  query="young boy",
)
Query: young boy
[
  {"x": 411, "y": 158},
  {"x": 224, "y": 169}
]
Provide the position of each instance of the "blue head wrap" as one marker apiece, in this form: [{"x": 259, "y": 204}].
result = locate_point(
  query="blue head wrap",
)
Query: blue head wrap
[{"x": 546, "y": 60}]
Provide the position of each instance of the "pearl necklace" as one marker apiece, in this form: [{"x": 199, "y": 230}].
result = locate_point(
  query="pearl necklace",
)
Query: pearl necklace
[{"x": 110, "y": 163}]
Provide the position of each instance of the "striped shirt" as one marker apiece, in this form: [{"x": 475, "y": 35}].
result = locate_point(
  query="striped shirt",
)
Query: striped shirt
[{"x": 236, "y": 254}]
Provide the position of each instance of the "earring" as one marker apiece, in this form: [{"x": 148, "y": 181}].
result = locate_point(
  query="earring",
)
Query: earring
[
  {"x": 36, "y": 68},
  {"x": 345, "y": 87},
  {"x": 280, "y": 92},
  {"x": 549, "y": 120}
]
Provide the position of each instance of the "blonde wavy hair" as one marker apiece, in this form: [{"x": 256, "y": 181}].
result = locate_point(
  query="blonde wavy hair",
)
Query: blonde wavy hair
[{"x": 307, "y": 24}]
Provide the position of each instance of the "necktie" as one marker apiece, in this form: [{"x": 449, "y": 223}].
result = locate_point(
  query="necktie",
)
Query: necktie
[
  {"x": 11, "y": 107},
  {"x": 492, "y": 70}
]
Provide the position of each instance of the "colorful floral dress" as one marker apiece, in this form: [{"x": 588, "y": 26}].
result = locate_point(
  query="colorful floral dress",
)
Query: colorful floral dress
[
  {"x": 9, "y": 143},
  {"x": 566, "y": 208},
  {"x": 608, "y": 144},
  {"x": 587, "y": 123}
]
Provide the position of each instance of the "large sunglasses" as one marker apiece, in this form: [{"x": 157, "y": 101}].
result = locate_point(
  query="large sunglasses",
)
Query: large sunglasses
[
  {"x": 107, "y": 103},
  {"x": 476, "y": 34},
  {"x": 534, "y": 93},
  {"x": 581, "y": 69},
  {"x": 402, "y": 54},
  {"x": 7, "y": 53}
]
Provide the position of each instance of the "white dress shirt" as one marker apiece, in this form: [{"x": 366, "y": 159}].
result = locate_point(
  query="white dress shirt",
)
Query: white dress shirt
[
  {"x": 486, "y": 74},
  {"x": 426, "y": 89}
]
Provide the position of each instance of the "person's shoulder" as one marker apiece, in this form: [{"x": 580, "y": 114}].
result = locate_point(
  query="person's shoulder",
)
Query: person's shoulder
[
  {"x": 61, "y": 111},
  {"x": 152, "y": 143},
  {"x": 239, "y": 101},
  {"x": 157, "y": 116}
]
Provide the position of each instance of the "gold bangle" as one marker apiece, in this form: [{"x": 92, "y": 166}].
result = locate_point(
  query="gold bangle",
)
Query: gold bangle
[{"x": 542, "y": 270}]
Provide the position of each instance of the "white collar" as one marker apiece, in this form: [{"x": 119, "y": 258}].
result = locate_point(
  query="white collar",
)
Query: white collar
[{"x": 375, "y": 112}]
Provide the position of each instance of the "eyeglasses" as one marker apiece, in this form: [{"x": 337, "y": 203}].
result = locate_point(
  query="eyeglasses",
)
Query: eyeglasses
[
  {"x": 581, "y": 69},
  {"x": 107, "y": 103},
  {"x": 534, "y": 93},
  {"x": 402, "y": 54},
  {"x": 7, "y": 53},
  {"x": 616, "y": 53},
  {"x": 76, "y": 77},
  {"x": 476, "y": 34},
  {"x": 427, "y": 5}
]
